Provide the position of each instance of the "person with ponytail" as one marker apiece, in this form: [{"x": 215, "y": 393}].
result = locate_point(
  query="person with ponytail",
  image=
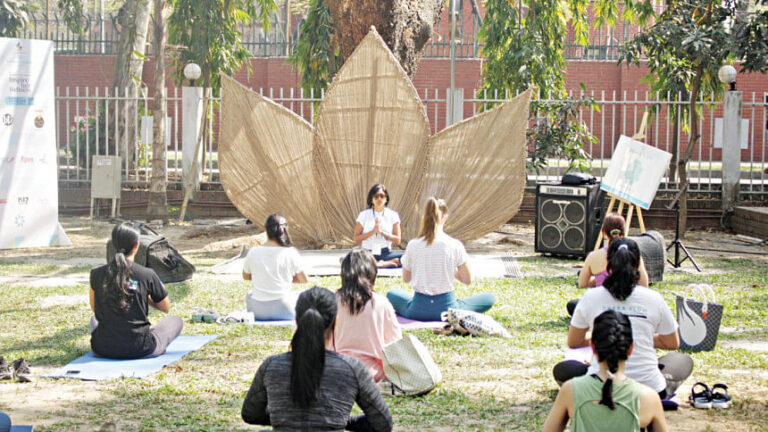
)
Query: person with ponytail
[
  {"x": 431, "y": 263},
  {"x": 120, "y": 296},
  {"x": 653, "y": 325},
  {"x": 607, "y": 400},
  {"x": 366, "y": 320},
  {"x": 272, "y": 269},
  {"x": 310, "y": 387},
  {"x": 595, "y": 270},
  {"x": 378, "y": 226}
]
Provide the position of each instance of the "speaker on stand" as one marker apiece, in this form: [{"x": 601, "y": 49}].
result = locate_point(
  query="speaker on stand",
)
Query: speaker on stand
[{"x": 568, "y": 218}]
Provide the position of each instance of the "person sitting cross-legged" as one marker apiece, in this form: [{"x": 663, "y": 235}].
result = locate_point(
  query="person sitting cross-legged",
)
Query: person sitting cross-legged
[
  {"x": 311, "y": 388},
  {"x": 607, "y": 400}
]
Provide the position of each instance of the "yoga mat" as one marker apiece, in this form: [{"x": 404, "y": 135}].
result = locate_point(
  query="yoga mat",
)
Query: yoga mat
[
  {"x": 92, "y": 368},
  {"x": 286, "y": 323},
  {"x": 327, "y": 263},
  {"x": 22, "y": 428},
  {"x": 409, "y": 324}
]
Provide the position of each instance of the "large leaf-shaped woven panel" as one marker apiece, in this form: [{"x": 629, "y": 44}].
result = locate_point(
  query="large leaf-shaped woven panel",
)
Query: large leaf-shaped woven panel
[
  {"x": 265, "y": 158},
  {"x": 478, "y": 167},
  {"x": 371, "y": 128}
]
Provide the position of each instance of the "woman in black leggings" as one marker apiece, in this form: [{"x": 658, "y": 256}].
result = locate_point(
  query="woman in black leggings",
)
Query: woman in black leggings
[
  {"x": 653, "y": 325},
  {"x": 121, "y": 293}
]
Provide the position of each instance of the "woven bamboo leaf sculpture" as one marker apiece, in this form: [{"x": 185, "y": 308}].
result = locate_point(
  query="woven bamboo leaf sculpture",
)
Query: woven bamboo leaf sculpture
[{"x": 371, "y": 128}]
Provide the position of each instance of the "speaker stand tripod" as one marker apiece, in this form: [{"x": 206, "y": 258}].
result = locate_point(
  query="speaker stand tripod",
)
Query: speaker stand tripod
[{"x": 677, "y": 243}]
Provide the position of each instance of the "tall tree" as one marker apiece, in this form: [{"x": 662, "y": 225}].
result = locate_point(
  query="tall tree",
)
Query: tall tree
[
  {"x": 14, "y": 16},
  {"x": 333, "y": 29},
  {"x": 132, "y": 23},
  {"x": 687, "y": 46},
  {"x": 157, "y": 207}
]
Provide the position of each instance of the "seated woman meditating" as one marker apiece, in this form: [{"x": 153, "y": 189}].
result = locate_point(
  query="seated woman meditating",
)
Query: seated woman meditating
[
  {"x": 378, "y": 226},
  {"x": 272, "y": 269},
  {"x": 431, "y": 263},
  {"x": 595, "y": 269},
  {"x": 653, "y": 325},
  {"x": 366, "y": 321},
  {"x": 121, "y": 293},
  {"x": 607, "y": 400},
  {"x": 310, "y": 387}
]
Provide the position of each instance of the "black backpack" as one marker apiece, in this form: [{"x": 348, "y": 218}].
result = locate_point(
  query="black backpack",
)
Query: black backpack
[{"x": 156, "y": 253}]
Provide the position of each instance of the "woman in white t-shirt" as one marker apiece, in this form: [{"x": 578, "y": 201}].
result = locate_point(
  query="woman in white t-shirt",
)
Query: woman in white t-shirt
[
  {"x": 272, "y": 269},
  {"x": 378, "y": 226},
  {"x": 431, "y": 264},
  {"x": 653, "y": 325}
]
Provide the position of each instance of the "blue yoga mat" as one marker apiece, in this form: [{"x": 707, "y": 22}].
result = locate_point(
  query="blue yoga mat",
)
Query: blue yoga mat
[
  {"x": 92, "y": 368},
  {"x": 22, "y": 428}
]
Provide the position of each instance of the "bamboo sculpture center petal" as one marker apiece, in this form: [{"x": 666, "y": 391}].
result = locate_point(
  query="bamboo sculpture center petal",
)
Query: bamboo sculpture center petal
[{"x": 371, "y": 128}]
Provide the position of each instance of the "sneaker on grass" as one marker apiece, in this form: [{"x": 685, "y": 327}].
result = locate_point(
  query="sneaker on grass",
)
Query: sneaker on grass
[{"x": 21, "y": 370}]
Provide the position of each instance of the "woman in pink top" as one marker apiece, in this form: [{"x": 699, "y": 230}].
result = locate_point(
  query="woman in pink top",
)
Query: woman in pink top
[{"x": 366, "y": 320}]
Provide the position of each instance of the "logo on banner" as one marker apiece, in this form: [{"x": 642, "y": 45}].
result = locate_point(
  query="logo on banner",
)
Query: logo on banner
[
  {"x": 3, "y": 201},
  {"x": 7, "y": 119},
  {"x": 19, "y": 100},
  {"x": 27, "y": 159},
  {"x": 39, "y": 121},
  {"x": 19, "y": 221},
  {"x": 22, "y": 54},
  {"x": 23, "y": 200}
]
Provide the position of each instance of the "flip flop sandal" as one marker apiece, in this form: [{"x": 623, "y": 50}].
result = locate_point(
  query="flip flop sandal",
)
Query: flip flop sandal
[
  {"x": 720, "y": 399},
  {"x": 204, "y": 315},
  {"x": 702, "y": 399}
]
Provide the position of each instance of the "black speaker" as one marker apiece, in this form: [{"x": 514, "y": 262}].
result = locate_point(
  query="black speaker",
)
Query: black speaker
[{"x": 568, "y": 218}]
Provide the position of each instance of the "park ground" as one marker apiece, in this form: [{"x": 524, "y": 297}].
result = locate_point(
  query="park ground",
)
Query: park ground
[{"x": 488, "y": 383}]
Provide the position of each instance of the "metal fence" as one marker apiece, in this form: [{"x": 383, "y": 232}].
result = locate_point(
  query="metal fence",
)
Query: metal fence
[
  {"x": 101, "y": 36},
  {"x": 91, "y": 121}
]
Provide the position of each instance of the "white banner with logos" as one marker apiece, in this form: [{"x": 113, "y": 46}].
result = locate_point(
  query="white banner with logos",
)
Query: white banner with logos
[{"x": 29, "y": 198}]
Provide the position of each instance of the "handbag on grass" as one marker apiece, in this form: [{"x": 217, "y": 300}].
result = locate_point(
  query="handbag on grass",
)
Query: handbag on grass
[
  {"x": 698, "y": 318},
  {"x": 409, "y": 367},
  {"x": 475, "y": 323}
]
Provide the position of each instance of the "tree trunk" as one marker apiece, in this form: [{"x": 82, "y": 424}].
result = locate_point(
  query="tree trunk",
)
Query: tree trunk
[
  {"x": 682, "y": 163},
  {"x": 405, "y": 26},
  {"x": 157, "y": 208},
  {"x": 133, "y": 22},
  {"x": 675, "y": 146}
]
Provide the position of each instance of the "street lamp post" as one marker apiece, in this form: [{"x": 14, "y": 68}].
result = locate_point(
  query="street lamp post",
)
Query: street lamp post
[
  {"x": 191, "y": 119},
  {"x": 731, "y": 139}
]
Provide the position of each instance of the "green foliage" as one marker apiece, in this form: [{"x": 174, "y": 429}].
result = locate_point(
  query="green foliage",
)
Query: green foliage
[
  {"x": 73, "y": 14},
  {"x": 14, "y": 16},
  {"x": 523, "y": 45},
  {"x": 557, "y": 132},
  {"x": 208, "y": 33},
  {"x": 750, "y": 36},
  {"x": 316, "y": 55}
]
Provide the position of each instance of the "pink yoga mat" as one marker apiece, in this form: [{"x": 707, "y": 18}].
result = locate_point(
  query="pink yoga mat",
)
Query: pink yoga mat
[{"x": 406, "y": 323}]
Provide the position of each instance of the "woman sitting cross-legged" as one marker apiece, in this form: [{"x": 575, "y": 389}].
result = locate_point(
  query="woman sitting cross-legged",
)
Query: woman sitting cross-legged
[
  {"x": 595, "y": 268},
  {"x": 431, "y": 263},
  {"x": 607, "y": 400},
  {"x": 378, "y": 226},
  {"x": 272, "y": 269},
  {"x": 653, "y": 325},
  {"x": 366, "y": 320},
  {"x": 311, "y": 388},
  {"x": 121, "y": 293}
]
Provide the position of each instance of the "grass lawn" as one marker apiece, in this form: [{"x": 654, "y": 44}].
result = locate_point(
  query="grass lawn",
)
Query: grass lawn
[{"x": 488, "y": 383}]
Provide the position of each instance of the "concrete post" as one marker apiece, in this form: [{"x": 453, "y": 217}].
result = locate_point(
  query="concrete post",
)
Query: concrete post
[
  {"x": 731, "y": 148},
  {"x": 191, "y": 119},
  {"x": 455, "y": 106}
]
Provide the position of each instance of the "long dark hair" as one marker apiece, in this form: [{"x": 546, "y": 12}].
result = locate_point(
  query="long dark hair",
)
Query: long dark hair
[
  {"x": 358, "y": 275},
  {"x": 315, "y": 313},
  {"x": 623, "y": 263},
  {"x": 612, "y": 338},
  {"x": 115, "y": 287},
  {"x": 434, "y": 211},
  {"x": 277, "y": 229},
  {"x": 373, "y": 191}
]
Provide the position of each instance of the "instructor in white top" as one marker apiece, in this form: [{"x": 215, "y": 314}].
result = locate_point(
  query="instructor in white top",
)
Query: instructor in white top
[
  {"x": 272, "y": 269},
  {"x": 378, "y": 226}
]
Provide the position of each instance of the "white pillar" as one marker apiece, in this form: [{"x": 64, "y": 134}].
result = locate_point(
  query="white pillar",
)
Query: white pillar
[
  {"x": 731, "y": 148},
  {"x": 191, "y": 119},
  {"x": 455, "y": 111}
]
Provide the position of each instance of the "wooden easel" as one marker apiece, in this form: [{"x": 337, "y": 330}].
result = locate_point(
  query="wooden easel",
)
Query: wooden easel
[{"x": 631, "y": 208}]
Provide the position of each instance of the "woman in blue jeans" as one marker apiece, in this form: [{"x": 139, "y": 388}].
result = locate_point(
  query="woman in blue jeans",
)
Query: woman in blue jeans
[{"x": 431, "y": 263}]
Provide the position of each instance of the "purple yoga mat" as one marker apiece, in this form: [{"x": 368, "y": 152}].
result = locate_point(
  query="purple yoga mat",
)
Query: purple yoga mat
[{"x": 406, "y": 324}]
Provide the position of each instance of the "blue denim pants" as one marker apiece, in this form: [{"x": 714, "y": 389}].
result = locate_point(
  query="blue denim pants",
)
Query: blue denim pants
[{"x": 423, "y": 307}]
